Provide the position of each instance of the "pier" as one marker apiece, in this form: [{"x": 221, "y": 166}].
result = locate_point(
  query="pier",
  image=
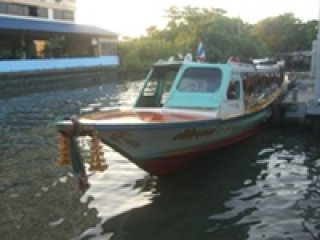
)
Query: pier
[{"x": 299, "y": 105}]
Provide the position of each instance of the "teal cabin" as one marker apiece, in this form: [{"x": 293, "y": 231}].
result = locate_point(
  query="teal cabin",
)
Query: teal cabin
[{"x": 185, "y": 85}]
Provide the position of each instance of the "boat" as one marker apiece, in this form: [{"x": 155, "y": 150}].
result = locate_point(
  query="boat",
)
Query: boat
[{"x": 184, "y": 109}]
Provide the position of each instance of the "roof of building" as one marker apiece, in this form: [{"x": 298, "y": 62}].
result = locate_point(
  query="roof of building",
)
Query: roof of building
[{"x": 40, "y": 25}]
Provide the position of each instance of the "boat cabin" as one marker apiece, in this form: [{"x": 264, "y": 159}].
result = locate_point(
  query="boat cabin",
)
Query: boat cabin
[{"x": 229, "y": 89}]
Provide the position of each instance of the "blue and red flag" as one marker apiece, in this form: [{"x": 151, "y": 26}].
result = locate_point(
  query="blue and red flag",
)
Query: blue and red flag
[{"x": 201, "y": 54}]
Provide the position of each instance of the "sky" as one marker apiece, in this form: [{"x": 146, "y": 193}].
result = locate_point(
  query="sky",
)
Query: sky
[{"x": 130, "y": 18}]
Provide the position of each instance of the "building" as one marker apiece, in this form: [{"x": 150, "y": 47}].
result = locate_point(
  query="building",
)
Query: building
[
  {"x": 42, "y": 29},
  {"x": 297, "y": 60},
  {"x": 45, "y": 9}
]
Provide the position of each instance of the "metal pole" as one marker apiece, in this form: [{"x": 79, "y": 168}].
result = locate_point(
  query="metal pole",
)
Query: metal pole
[
  {"x": 317, "y": 65},
  {"x": 314, "y": 59}
]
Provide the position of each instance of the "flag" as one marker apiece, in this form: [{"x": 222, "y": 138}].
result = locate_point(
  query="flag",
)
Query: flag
[{"x": 201, "y": 54}]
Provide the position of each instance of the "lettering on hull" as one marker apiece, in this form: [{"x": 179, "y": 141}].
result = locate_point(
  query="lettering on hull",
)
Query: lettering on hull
[
  {"x": 193, "y": 133},
  {"x": 121, "y": 137}
]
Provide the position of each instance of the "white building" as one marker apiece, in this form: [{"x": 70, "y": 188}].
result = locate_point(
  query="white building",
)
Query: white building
[
  {"x": 46, "y": 29},
  {"x": 44, "y": 35},
  {"x": 46, "y": 9}
]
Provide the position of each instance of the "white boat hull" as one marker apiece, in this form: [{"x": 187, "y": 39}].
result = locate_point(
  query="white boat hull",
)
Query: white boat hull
[{"x": 163, "y": 147}]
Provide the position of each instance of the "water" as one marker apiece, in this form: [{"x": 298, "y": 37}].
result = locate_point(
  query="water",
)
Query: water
[{"x": 266, "y": 187}]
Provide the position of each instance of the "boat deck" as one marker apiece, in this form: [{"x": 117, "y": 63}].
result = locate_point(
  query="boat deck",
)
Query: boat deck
[{"x": 136, "y": 116}]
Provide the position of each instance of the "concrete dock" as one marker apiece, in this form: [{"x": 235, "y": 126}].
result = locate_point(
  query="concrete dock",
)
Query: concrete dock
[{"x": 299, "y": 104}]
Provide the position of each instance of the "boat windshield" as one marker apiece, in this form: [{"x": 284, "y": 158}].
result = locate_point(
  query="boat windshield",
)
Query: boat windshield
[
  {"x": 157, "y": 87},
  {"x": 200, "y": 80}
]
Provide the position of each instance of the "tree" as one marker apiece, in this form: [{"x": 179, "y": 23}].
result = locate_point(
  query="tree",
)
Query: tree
[
  {"x": 142, "y": 53},
  {"x": 284, "y": 33},
  {"x": 221, "y": 35},
  {"x": 309, "y": 32}
]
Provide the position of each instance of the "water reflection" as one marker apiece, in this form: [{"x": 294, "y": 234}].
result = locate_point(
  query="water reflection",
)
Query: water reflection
[
  {"x": 38, "y": 199},
  {"x": 266, "y": 187},
  {"x": 122, "y": 188},
  {"x": 269, "y": 207},
  {"x": 267, "y": 191}
]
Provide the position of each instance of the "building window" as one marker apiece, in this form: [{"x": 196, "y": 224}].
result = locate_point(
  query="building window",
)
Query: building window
[
  {"x": 33, "y": 11},
  {"x": 63, "y": 14},
  {"x": 3, "y": 8},
  {"x": 38, "y": 12},
  {"x": 23, "y": 10},
  {"x": 19, "y": 10},
  {"x": 57, "y": 14},
  {"x": 43, "y": 12},
  {"x": 68, "y": 15},
  {"x": 108, "y": 48}
]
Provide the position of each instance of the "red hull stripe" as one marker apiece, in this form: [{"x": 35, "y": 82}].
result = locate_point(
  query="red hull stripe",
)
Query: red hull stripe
[{"x": 170, "y": 163}]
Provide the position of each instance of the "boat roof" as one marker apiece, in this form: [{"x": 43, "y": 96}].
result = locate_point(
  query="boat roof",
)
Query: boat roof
[
  {"x": 161, "y": 63},
  {"x": 234, "y": 66}
]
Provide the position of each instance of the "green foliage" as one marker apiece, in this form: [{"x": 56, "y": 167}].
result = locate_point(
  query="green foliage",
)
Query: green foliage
[
  {"x": 285, "y": 33},
  {"x": 308, "y": 32},
  {"x": 222, "y": 37},
  {"x": 5, "y": 53},
  {"x": 142, "y": 53}
]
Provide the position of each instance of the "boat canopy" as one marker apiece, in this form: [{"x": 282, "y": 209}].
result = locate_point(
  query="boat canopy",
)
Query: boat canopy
[{"x": 184, "y": 85}]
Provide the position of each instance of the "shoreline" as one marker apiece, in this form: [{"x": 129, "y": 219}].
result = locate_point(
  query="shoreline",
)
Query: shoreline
[{"x": 21, "y": 83}]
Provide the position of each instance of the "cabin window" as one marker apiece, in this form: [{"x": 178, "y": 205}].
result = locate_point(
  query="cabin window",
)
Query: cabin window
[
  {"x": 258, "y": 87},
  {"x": 200, "y": 80},
  {"x": 160, "y": 83},
  {"x": 157, "y": 87},
  {"x": 233, "y": 92},
  {"x": 150, "y": 88}
]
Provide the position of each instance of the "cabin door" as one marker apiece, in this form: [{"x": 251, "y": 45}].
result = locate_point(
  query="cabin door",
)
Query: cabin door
[
  {"x": 156, "y": 88},
  {"x": 233, "y": 103}
]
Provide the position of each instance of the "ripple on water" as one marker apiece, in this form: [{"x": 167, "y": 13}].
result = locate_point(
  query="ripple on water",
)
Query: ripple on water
[
  {"x": 273, "y": 206},
  {"x": 121, "y": 188},
  {"x": 274, "y": 195}
]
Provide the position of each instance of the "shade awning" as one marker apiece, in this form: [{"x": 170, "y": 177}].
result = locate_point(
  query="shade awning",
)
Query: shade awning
[{"x": 35, "y": 25}]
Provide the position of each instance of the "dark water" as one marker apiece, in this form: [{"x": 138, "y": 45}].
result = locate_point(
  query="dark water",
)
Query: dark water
[{"x": 266, "y": 187}]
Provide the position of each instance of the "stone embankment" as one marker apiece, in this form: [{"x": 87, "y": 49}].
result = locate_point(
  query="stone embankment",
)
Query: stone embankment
[{"x": 20, "y": 83}]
